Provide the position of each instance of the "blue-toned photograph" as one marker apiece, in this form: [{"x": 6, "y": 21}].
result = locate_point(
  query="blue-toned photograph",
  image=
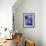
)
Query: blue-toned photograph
[{"x": 29, "y": 19}]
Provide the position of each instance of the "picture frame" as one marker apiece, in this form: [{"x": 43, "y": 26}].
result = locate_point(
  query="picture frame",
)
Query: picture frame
[{"x": 28, "y": 20}]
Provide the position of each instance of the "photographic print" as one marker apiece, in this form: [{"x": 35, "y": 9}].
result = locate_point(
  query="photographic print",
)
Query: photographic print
[{"x": 29, "y": 20}]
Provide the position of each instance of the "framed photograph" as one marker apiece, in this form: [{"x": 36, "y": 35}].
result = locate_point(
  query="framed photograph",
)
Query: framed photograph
[{"x": 29, "y": 20}]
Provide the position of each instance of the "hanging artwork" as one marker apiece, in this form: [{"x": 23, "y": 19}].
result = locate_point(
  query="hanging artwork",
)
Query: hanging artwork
[{"x": 29, "y": 20}]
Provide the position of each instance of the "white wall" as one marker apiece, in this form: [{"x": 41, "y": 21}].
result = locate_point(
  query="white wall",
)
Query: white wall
[
  {"x": 43, "y": 22},
  {"x": 28, "y": 6},
  {"x": 6, "y": 13}
]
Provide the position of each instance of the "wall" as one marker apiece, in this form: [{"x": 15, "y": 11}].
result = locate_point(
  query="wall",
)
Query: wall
[
  {"x": 6, "y": 13},
  {"x": 43, "y": 22},
  {"x": 28, "y": 6}
]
